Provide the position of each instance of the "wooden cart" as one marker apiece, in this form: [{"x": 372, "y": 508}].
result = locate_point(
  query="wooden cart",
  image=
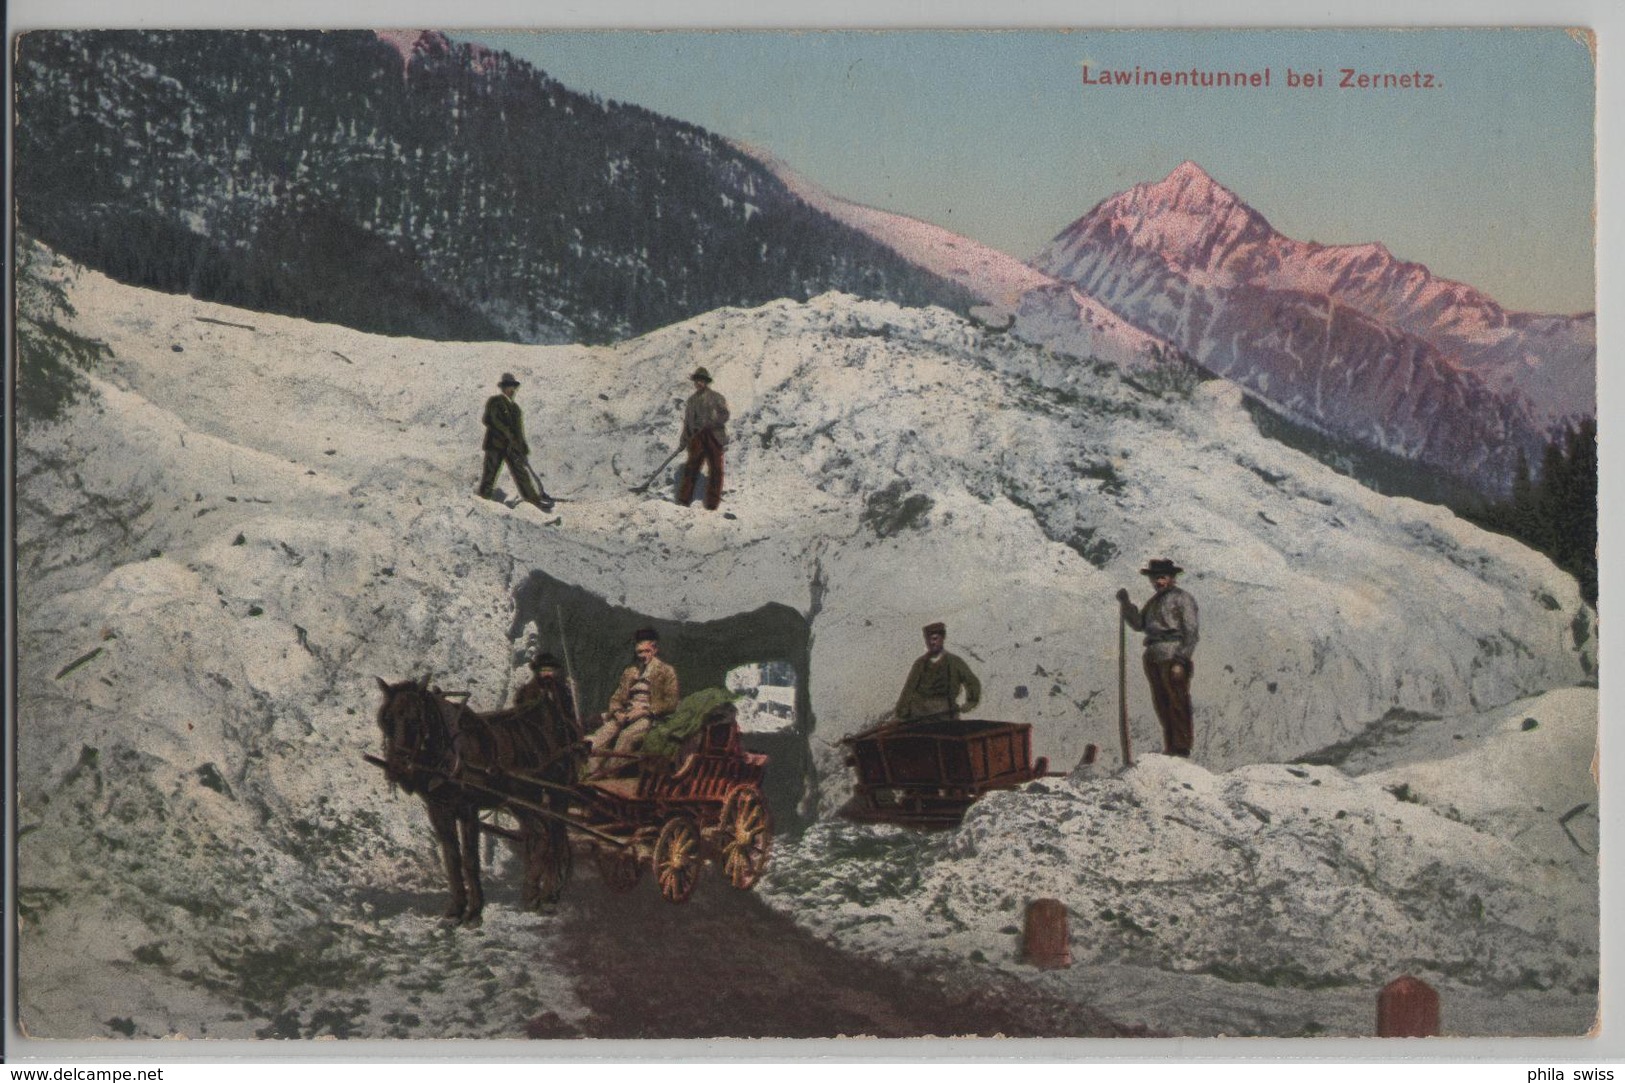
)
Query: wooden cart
[{"x": 928, "y": 773}]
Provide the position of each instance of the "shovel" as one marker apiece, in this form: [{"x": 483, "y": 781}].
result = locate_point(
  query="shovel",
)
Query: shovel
[
  {"x": 645, "y": 486},
  {"x": 540, "y": 488}
]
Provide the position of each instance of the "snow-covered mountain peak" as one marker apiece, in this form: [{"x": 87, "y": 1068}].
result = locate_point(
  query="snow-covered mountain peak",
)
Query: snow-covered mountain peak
[
  {"x": 1187, "y": 218},
  {"x": 1189, "y": 186},
  {"x": 1348, "y": 338}
]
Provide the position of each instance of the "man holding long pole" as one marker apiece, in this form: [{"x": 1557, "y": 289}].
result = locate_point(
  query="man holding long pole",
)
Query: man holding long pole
[{"x": 1169, "y": 621}]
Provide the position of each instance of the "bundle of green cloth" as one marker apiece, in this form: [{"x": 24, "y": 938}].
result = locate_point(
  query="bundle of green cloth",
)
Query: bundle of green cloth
[{"x": 668, "y": 735}]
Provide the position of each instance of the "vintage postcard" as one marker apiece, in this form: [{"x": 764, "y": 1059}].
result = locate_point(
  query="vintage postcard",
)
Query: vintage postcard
[{"x": 620, "y": 535}]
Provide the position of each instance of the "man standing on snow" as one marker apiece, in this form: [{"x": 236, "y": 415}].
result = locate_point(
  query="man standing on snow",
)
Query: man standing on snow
[
  {"x": 705, "y": 434},
  {"x": 935, "y": 681},
  {"x": 1169, "y": 623},
  {"x": 505, "y": 443}
]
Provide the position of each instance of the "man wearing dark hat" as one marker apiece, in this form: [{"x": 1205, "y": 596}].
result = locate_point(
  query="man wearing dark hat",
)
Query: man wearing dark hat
[
  {"x": 1169, "y": 623},
  {"x": 935, "y": 681},
  {"x": 505, "y": 443},
  {"x": 646, "y": 694},
  {"x": 547, "y": 685},
  {"x": 705, "y": 434}
]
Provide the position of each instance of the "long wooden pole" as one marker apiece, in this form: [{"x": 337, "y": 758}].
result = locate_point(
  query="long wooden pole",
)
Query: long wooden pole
[
  {"x": 529, "y": 806},
  {"x": 1122, "y": 687},
  {"x": 569, "y": 672}
]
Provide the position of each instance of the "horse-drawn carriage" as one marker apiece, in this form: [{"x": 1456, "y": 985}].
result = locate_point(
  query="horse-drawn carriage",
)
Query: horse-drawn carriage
[
  {"x": 928, "y": 772},
  {"x": 669, "y": 813}
]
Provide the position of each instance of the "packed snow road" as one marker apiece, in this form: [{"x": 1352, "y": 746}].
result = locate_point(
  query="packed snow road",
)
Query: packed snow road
[{"x": 725, "y": 965}]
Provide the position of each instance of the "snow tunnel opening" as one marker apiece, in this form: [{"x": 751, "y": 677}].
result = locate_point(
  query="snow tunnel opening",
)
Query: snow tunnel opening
[
  {"x": 767, "y": 646},
  {"x": 767, "y": 695}
]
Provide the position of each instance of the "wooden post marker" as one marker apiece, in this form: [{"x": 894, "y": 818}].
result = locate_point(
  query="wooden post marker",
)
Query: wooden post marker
[
  {"x": 1044, "y": 941},
  {"x": 1407, "y": 1007}
]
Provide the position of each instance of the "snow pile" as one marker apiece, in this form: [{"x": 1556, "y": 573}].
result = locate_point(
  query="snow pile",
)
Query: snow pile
[
  {"x": 252, "y": 517},
  {"x": 1271, "y": 876}
]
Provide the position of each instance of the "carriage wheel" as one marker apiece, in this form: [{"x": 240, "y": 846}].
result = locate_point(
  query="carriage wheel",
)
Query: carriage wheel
[
  {"x": 677, "y": 859},
  {"x": 747, "y": 836},
  {"x": 620, "y": 869}
]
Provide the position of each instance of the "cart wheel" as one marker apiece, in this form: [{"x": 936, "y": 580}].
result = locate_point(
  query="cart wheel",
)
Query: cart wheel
[
  {"x": 677, "y": 859},
  {"x": 747, "y": 836},
  {"x": 619, "y": 869}
]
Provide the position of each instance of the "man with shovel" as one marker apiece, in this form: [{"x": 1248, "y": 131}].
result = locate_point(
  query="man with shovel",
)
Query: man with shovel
[
  {"x": 1169, "y": 623},
  {"x": 505, "y": 443},
  {"x": 705, "y": 434}
]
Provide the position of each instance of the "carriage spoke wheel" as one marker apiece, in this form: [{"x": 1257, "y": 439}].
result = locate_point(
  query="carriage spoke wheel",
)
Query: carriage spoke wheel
[
  {"x": 677, "y": 859},
  {"x": 747, "y": 836},
  {"x": 619, "y": 869}
]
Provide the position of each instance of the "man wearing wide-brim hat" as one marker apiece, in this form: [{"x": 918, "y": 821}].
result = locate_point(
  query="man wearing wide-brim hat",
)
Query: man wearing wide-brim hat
[
  {"x": 705, "y": 434},
  {"x": 505, "y": 443},
  {"x": 1169, "y": 622}
]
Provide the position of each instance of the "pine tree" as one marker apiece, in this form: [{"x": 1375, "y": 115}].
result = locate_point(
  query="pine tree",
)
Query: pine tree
[{"x": 49, "y": 354}]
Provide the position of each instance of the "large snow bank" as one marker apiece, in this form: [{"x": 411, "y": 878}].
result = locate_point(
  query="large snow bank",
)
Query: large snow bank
[
  {"x": 1268, "y": 877},
  {"x": 253, "y": 516}
]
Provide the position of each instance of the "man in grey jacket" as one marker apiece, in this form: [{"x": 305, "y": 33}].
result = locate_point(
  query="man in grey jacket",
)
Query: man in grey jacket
[
  {"x": 1169, "y": 622},
  {"x": 705, "y": 434}
]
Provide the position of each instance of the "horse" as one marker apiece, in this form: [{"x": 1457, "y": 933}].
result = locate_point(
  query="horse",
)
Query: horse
[{"x": 454, "y": 758}]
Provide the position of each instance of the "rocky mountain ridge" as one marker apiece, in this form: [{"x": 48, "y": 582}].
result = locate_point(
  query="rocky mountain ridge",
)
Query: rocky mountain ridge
[
  {"x": 1346, "y": 338},
  {"x": 1016, "y": 297},
  {"x": 402, "y": 183}
]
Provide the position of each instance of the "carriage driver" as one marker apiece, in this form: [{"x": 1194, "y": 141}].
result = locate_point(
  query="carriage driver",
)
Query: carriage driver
[
  {"x": 548, "y": 684},
  {"x": 932, "y": 689},
  {"x": 646, "y": 694}
]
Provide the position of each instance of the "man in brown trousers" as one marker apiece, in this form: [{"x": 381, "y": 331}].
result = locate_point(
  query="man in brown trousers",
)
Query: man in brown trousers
[
  {"x": 705, "y": 434},
  {"x": 1169, "y": 622}
]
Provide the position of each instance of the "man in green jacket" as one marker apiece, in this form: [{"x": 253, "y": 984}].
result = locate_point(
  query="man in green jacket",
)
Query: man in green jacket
[
  {"x": 932, "y": 689},
  {"x": 505, "y": 443}
]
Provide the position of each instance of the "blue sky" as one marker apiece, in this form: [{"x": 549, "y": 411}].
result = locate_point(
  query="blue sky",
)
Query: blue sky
[{"x": 1488, "y": 178}]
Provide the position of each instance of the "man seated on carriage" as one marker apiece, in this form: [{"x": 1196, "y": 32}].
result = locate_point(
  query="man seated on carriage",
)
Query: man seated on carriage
[
  {"x": 647, "y": 693},
  {"x": 934, "y": 683}
]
